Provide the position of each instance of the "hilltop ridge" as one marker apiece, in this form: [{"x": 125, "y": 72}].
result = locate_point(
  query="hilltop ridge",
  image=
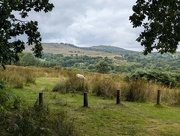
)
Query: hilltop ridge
[{"x": 70, "y": 49}]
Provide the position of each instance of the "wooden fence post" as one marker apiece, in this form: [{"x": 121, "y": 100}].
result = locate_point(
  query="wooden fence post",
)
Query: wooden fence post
[
  {"x": 118, "y": 97},
  {"x": 85, "y": 100},
  {"x": 158, "y": 97},
  {"x": 40, "y": 99}
]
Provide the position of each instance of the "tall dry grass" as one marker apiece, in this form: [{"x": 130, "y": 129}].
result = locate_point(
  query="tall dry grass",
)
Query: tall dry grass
[
  {"x": 142, "y": 91},
  {"x": 17, "y": 76},
  {"x": 101, "y": 84},
  {"x": 104, "y": 87}
]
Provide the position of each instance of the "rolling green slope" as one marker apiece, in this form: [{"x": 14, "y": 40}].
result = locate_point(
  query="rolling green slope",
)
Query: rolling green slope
[
  {"x": 110, "y": 49},
  {"x": 94, "y": 51}
]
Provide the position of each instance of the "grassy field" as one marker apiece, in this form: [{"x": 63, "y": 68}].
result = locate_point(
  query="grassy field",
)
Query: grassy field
[{"x": 103, "y": 117}]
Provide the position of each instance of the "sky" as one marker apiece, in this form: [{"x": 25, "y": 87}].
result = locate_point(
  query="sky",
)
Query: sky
[{"x": 86, "y": 23}]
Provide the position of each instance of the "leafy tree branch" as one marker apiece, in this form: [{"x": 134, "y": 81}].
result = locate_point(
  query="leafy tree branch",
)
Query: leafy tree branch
[
  {"x": 161, "y": 22},
  {"x": 11, "y": 27}
]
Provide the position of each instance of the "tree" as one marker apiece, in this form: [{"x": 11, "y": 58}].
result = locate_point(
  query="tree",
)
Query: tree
[
  {"x": 161, "y": 22},
  {"x": 11, "y": 27},
  {"x": 28, "y": 59},
  {"x": 102, "y": 67}
]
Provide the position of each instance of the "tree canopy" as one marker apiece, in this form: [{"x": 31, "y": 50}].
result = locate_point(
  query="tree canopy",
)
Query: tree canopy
[
  {"x": 11, "y": 27},
  {"x": 102, "y": 67},
  {"x": 161, "y": 22}
]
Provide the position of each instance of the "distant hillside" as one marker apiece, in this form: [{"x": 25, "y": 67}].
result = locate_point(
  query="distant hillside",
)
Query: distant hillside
[
  {"x": 94, "y": 51},
  {"x": 110, "y": 49}
]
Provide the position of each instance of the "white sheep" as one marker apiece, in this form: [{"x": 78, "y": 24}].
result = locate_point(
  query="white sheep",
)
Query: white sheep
[{"x": 80, "y": 76}]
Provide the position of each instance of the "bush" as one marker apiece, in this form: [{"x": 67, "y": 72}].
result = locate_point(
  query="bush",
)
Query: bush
[
  {"x": 72, "y": 84},
  {"x": 2, "y": 84},
  {"x": 60, "y": 87},
  {"x": 104, "y": 88},
  {"x": 136, "y": 91},
  {"x": 61, "y": 126},
  {"x": 36, "y": 121},
  {"x": 7, "y": 98},
  {"x": 102, "y": 67}
]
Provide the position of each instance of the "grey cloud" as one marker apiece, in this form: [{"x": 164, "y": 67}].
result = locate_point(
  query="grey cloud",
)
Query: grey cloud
[{"x": 89, "y": 22}]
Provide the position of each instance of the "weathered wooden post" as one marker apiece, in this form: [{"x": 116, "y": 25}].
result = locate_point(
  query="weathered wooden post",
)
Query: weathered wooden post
[
  {"x": 40, "y": 99},
  {"x": 158, "y": 97},
  {"x": 85, "y": 100},
  {"x": 118, "y": 97}
]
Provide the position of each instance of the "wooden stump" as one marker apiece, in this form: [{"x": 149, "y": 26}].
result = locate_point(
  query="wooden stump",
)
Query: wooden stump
[
  {"x": 118, "y": 97},
  {"x": 158, "y": 97},
  {"x": 40, "y": 99},
  {"x": 85, "y": 100}
]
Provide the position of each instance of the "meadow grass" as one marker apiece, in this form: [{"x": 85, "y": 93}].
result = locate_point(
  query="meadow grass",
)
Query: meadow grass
[{"x": 103, "y": 116}]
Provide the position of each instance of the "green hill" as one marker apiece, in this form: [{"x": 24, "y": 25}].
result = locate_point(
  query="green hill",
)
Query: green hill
[
  {"x": 110, "y": 49},
  {"x": 94, "y": 51}
]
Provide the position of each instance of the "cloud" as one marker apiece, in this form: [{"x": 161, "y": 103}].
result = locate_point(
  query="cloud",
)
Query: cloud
[{"x": 88, "y": 23}]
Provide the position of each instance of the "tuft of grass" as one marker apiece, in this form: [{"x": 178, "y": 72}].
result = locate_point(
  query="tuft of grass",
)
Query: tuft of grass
[
  {"x": 136, "y": 91},
  {"x": 74, "y": 84},
  {"x": 104, "y": 87},
  {"x": 177, "y": 97},
  {"x": 60, "y": 87}
]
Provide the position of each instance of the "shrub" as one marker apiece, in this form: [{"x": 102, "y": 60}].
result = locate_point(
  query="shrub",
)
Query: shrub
[
  {"x": 8, "y": 99},
  {"x": 61, "y": 126},
  {"x": 136, "y": 91},
  {"x": 60, "y": 87},
  {"x": 72, "y": 84},
  {"x": 104, "y": 87},
  {"x": 36, "y": 121},
  {"x": 5, "y": 96},
  {"x": 2, "y": 84},
  {"x": 102, "y": 67}
]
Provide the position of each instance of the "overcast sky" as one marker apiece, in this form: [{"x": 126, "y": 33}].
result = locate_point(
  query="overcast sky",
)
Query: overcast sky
[
  {"x": 86, "y": 23},
  {"x": 89, "y": 23}
]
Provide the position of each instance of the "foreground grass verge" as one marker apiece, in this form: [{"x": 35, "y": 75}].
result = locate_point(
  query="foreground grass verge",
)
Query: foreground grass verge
[{"x": 104, "y": 117}]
